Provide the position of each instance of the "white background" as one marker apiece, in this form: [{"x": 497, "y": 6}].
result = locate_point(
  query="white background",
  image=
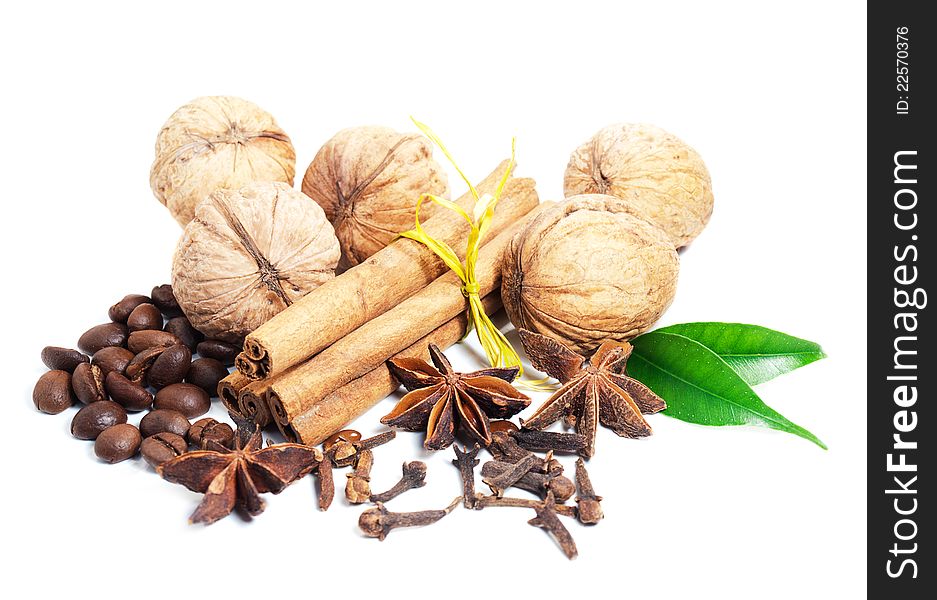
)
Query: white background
[{"x": 773, "y": 99}]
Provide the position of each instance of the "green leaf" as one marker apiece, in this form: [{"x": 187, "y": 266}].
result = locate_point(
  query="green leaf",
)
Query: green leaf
[
  {"x": 700, "y": 387},
  {"x": 756, "y": 353}
]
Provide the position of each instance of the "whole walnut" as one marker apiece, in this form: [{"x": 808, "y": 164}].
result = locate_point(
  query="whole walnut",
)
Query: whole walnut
[
  {"x": 217, "y": 142},
  {"x": 247, "y": 255},
  {"x": 588, "y": 271},
  {"x": 368, "y": 181},
  {"x": 660, "y": 176}
]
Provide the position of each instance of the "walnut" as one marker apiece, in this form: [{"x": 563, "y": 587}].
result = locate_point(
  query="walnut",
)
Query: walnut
[
  {"x": 247, "y": 255},
  {"x": 663, "y": 178},
  {"x": 217, "y": 142},
  {"x": 588, "y": 271},
  {"x": 368, "y": 180}
]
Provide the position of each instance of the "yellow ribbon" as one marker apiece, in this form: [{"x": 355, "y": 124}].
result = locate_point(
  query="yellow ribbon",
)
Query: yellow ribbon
[{"x": 497, "y": 348}]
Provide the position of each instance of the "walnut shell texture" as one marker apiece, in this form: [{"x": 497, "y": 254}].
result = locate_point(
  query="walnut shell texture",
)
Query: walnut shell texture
[
  {"x": 589, "y": 271},
  {"x": 217, "y": 142},
  {"x": 248, "y": 254},
  {"x": 368, "y": 180},
  {"x": 663, "y": 178}
]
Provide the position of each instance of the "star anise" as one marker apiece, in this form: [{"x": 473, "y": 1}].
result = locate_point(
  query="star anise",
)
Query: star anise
[
  {"x": 594, "y": 391},
  {"x": 444, "y": 402},
  {"x": 235, "y": 478}
]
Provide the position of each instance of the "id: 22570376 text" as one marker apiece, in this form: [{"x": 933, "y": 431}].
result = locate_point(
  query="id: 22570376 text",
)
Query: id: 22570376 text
[{"x": 903, "y": 69}]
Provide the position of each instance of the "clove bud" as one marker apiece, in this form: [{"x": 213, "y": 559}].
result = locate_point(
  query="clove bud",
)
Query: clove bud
[
  {"x": 466, "y": 462},
  {"x": 504, "y": 448},
  {"x": 546, "y": 519},
  {"x": 510, "y": 475},
  {"x": 590, "y": 509},
  {"x": 538, "y": 483},
  {"x": 483, "y": 501},
  {"x": 414, "y": 476},
  {"x": 531, "y": 439},
  {"x": 344, "y": 452},
  {"x": 358, "y": 486},
  {"x": 377, "y": 522}
]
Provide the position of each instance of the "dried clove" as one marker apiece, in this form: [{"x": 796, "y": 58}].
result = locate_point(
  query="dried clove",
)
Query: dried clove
[
  {"x": 590, "y": 509},
  {"x": 504, "y": 448},
  {"x": 549, "y": 440},
  {"x": 466, "y": 462},
  {"x": 482, "y": 501},
  {"x": 326, "y": 484},
  {"x": 414, "y": 476},
  {"x": 343, "y": 452},
  {"x": 538, "y": 483},
  {"x": 358, "y": 486},
  {"x": 546, "y": 519},
  {"x": 378, "y": 521},
  {"x": 376, "y": 440},
  {"x": 510, "y": 475}
]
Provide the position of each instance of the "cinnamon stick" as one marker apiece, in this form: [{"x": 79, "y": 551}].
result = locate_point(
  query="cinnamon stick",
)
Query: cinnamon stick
[
  {"x": 252, "y": 403},
  {"x": 228, "y": 389},
  {"x": 335, "y": 411},
  {"x": 370, "y": 345},
  {"x": 366, "y": 291}
]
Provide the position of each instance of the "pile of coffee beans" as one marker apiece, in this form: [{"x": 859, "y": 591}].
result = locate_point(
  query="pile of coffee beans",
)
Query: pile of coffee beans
[{"x": 142, "y": 360}]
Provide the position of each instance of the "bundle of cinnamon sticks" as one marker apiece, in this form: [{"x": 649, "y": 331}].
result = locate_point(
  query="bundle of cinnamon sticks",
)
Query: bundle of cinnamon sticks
[{"x": 321, "y": 362}]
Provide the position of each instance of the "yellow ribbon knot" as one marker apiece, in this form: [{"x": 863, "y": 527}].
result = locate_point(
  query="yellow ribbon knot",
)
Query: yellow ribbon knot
[
  {"x": 470, "y": 290},
  {"x": 497, "y": 348}
]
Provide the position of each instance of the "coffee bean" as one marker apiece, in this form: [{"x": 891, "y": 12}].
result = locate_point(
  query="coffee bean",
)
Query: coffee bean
[
  {"x": 206, "y": 373},
  {"x": 170, "y": 367},
  {"x": 102, "y": 336},
  {"x": 112, "y": 358},
  {"x": 91, "y": 420},
  {"x": 120, "y": 311},
  {"x": 161, "y": 447},
  {"x": 62, "y": 359},
  {"x": 88, "y": 383},
  {"x": 190, "y": 400},
  {"x": 53, "y": 392},
  {"x": 220, "y": 351},
  {"x": 140, "y": 365},
  {"x": 118, "y": 443},
  {"x": 145, "y": 316},
  {"x": 208, "y": 429},
  {"x": 164, "y": 299},
  {"x": 182, "y": 329},
  {"x": 131, "y": 396},
  {"x": 151, "y": 338},
  {"x": 164, "y": 421}
]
